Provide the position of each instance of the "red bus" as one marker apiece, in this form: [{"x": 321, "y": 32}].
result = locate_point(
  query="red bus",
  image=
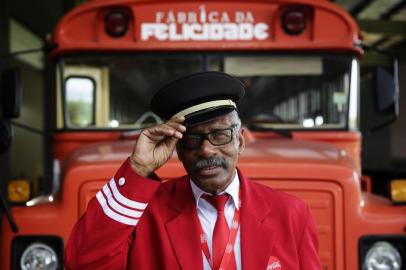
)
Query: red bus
[{"x": 299, "y": 62}]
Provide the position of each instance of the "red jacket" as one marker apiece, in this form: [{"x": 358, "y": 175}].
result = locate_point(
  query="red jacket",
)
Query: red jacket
[{"x": 273, "y": 224}]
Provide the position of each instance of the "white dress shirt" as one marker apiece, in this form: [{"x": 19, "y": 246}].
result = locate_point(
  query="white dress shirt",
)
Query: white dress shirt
[{"x": 208, "y": 216}]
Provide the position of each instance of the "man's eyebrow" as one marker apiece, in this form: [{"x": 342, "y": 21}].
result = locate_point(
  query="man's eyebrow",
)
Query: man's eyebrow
[{"x": 232, "y": 126}]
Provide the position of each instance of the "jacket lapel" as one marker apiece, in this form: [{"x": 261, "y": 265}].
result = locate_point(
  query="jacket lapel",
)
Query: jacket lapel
[
  {"x": 182, "y": 229},
  {"x": 256, "y": 235}
]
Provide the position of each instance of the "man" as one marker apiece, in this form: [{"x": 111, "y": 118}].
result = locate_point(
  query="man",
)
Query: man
[{"x": 213, "y": 218}]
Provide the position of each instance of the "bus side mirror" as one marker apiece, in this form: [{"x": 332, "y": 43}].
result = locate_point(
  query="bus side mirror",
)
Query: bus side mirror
[
  {"x": 10, "y": 93},
  {"x": 386, "y": 92}
]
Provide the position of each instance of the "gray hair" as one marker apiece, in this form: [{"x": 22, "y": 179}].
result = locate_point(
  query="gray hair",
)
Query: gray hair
[{"x": 235, "y": 119}]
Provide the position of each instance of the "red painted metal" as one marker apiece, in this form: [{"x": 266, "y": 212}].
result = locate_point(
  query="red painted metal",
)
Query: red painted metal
[
  {"x": 83, "y": 28},
  {"x": 321, "y": 167}
]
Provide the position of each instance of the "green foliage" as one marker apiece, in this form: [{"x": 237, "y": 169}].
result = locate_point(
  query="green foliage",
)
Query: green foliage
[{"x": 80, "y": 113}]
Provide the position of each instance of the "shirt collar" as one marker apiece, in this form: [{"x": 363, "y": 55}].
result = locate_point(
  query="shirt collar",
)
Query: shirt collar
[{"x": 232, "y": 189}]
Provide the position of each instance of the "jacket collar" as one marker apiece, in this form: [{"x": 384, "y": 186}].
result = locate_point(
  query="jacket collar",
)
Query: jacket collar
[
  {"x": 182, "y": 229},
  {"x": 256, "y": 236},
  {"x": 233, "y": 190}
]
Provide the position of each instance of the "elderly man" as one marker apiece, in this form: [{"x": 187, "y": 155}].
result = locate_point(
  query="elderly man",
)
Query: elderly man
[{"x": 212, "y": 218}]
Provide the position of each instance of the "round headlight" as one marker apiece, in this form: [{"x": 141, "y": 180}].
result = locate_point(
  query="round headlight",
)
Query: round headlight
[
  {"x": 382, "y": 256},
  {"x": 39, "y": 256}
]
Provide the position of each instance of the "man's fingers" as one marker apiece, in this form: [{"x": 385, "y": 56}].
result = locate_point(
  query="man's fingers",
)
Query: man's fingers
[
  {"x": 176, "y": 123},
  {"x": 158, "y": 133},
  {"x": 178, "y": 127},
  {"x": 180, "y": 119},
  {"x": 172, "y": 128},
  {"x": 156, "y": 145}
]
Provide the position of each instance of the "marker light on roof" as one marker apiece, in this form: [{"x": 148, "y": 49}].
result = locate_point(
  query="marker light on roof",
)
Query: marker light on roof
[
  {"x": 294, "y": 21},
  {"x": 116, "y": 23}
]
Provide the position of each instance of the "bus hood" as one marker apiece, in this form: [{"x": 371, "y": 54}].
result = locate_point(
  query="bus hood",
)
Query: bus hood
[{"x": 275, "y": 150}]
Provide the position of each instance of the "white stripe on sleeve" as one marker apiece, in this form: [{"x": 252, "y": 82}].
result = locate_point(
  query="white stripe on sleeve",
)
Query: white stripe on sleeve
[
  {"x": 117, "y": 207},
  {"x": 113, "y": 215},
  {"x": 123, "y": 200}
]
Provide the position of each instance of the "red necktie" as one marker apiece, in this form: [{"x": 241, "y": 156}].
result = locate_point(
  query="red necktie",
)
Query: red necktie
[{"x": 221, "y": 231}]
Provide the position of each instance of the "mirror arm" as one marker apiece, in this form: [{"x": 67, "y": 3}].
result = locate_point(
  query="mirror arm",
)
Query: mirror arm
[
  {"x": 6, "y": 208},
  {"x": 28, "y": 128},
  {"x": 370, "y": 48},
  {"x": 384, "y": 124},
  {"x": 49, "y": 46}
]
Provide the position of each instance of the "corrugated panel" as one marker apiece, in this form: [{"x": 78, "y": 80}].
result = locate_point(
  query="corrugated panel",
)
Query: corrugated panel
[
  {"x": 87, "y": 191},
  {"x": 326, "y": 202}
]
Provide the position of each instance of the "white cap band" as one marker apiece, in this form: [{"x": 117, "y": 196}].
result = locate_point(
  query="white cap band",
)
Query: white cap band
[{"x": 206, "y": 105}]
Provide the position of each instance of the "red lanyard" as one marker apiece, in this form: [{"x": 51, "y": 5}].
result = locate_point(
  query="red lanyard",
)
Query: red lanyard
[{"x": 230, "y": 243}]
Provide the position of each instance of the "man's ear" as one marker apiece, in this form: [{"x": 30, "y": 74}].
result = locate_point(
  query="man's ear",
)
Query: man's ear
[{"x": 241, "y": 139}]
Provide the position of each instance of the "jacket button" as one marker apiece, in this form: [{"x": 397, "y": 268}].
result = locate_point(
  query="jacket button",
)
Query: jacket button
[{"x": 121, "y": 181}]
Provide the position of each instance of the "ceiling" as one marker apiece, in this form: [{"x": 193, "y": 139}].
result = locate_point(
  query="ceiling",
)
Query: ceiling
[{"x": 383, "y": 22}]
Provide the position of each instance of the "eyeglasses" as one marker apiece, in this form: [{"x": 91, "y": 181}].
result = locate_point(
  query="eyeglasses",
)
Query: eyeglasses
[{"x": 216, "y": 137}]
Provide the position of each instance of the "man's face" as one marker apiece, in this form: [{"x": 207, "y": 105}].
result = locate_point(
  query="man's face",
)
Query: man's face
[{"x": 212, "y": 167}]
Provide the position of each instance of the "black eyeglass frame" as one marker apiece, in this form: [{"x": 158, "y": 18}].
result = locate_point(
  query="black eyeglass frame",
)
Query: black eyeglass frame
[{"x": 205, "y": 136}]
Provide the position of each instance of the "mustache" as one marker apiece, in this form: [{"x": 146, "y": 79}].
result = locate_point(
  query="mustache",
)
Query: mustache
[{"x": 212, "y": 161}]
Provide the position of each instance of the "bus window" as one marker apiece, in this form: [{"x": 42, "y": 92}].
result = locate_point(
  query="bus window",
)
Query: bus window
[
  {"x": 282, "y": 91},
  {"x": 79, "y": 101},
  {"x": 291, "y": 92},
  {"x": 127, "y": 83}
]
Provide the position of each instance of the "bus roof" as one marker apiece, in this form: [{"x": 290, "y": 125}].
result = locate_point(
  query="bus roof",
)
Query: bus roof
[{"x": 273, "y": 25}]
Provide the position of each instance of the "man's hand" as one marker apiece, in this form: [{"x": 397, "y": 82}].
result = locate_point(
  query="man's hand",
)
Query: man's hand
[{"x": 155, "y": 146}]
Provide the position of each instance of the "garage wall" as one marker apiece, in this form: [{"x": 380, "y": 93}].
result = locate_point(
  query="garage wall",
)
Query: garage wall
[
  {"x": 398, "y": 134},
  {"x": 26, "y": 151},
  {"x": 4, "y": 161}
]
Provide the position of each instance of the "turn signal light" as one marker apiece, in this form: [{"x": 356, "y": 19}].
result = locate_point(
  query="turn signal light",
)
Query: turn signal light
[
  {"x": 398, "y": 190},
  {"x": 116, "y": 23},
  {"x": 19, "y": 190},
  {"x": 294, "y": 21}
]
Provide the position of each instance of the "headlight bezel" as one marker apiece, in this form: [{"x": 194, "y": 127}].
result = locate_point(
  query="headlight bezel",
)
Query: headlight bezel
[
  {"x": 20, "y": 244},
  {"x": 366, "y": 243}
]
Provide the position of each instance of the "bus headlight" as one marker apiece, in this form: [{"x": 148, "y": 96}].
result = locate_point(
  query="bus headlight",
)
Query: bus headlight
[
  {"x": 382, "y": 256},
  {"x": 38, "y": 256}
]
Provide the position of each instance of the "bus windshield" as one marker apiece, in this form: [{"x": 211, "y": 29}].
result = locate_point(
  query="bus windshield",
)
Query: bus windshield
[{"x": 282, "y": 91}]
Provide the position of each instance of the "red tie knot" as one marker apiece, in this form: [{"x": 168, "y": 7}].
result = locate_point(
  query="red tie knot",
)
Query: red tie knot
[{"x": 218, "y": 201}]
